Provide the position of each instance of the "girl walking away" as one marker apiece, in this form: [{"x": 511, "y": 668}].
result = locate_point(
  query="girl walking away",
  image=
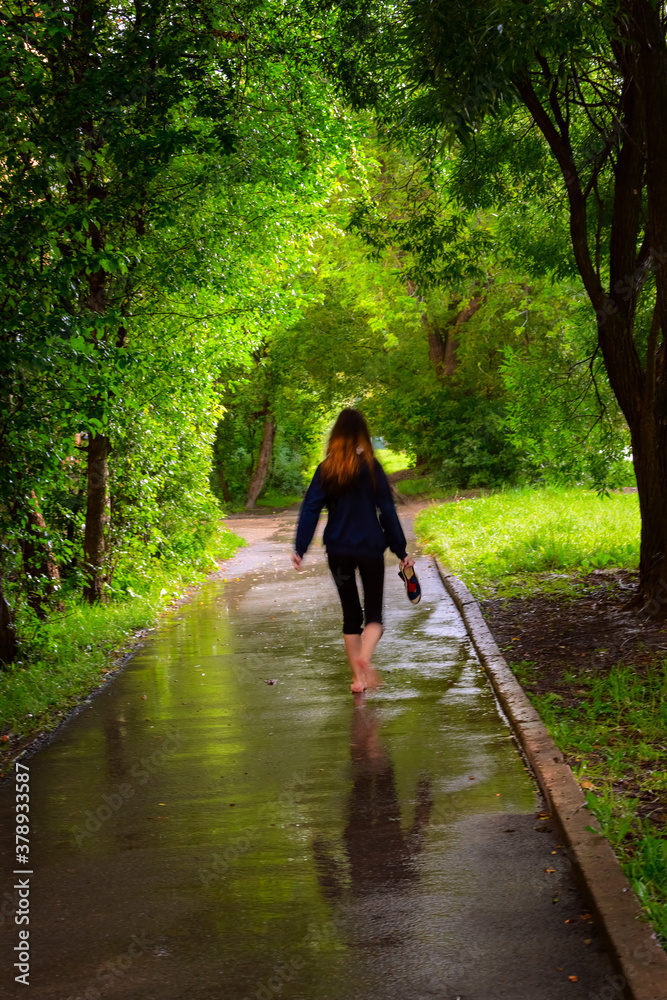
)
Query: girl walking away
[{"x": 352, "y": 485}]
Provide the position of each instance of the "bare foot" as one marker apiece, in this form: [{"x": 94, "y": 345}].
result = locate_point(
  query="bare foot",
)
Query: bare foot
[
  {"x": 359, "y": 682},
  {"x": 371, "y": 677}
]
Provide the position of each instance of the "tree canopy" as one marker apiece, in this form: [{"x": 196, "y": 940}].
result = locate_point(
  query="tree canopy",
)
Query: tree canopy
[
  {"x": 554, "y": 114},
  {"x": 218, "y": 225}
]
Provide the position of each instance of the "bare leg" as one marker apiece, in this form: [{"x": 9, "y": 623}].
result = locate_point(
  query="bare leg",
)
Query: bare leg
[
  {"x": 353, "y": 649},
  {"x": 369, "y": 640}
]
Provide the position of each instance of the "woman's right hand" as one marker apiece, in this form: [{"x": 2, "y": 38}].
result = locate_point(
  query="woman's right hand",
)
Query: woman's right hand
[
  {"x": 408, "y": 561},
  {"x": 296, "y": 561}
]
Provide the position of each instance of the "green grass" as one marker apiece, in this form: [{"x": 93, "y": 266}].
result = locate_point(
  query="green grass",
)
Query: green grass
[
  {"x": 641, "y": 849},
  {"x": 415, "y": 487},
  {"x": 617, "y": 725},
  {"x": 527, "y": 531},
  {"x": 615, "y": 737},
  {"x": 64, "y": 658},
  {"x": 273, "y": 498},
  {"x": 393, "y": 461}
]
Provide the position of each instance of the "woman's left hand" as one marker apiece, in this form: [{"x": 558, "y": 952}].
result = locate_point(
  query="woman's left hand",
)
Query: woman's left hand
[
  {"x": 296, "y": 561},
  {"x": 408, "y": 561}
]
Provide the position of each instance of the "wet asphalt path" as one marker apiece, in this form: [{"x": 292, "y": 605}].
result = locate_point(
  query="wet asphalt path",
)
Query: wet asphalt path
[{"x": 200, "y": 833}]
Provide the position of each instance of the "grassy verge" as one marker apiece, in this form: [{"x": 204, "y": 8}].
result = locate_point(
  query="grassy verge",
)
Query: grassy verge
[
  {"x": 612, "y": 728},
  {"x": 273, "y": 498},
  {"x": 67, "y": 656},
  {"x": 426, "y": 487},
  {"x": 541, "y": 562},
  {"x": 393, "y": 461},
  {"x": 499, "y": 542},
  {"x": 419, "y": 486}
]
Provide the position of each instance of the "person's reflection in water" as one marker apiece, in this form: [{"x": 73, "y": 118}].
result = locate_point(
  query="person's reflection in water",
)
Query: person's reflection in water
[{"x": 380, "y": 855}]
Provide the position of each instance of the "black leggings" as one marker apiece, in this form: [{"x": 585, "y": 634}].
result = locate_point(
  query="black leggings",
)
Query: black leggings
[{"x": 371, "y": 570}]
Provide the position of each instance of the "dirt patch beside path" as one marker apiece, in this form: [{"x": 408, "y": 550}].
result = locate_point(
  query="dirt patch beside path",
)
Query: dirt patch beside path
[
  {"x": 558, "y": 645},
  {"x": 590, "y": 631}
]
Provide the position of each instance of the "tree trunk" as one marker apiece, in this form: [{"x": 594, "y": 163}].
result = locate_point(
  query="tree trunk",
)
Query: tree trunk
[
  {"x": 7, "y": 630},
  {"x": 436, "y": 346},
  {"x": 224, "y": 486},
  {"x": 263, "y": 462},
  {"x": 43, "y": 575},
  {"x": 222, "y": 482},
  {"x": 442, "y": 350},
  {"x": 97, "y": 516},
  {"x": 637, "y": 226},
  {"x": 649, "y": 450}
]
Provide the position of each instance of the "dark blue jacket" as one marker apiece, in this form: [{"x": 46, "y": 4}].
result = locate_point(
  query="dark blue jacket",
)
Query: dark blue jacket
[{"x": 353, "y": 528}]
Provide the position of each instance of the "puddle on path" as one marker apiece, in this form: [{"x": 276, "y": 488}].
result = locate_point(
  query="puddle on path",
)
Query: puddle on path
[{"x": 200, "y": 833}]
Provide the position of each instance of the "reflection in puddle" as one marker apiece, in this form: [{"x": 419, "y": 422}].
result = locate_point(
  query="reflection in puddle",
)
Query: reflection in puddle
[
  {"x": 379, "y": 854},
  {"x": 237, "y": 829}
]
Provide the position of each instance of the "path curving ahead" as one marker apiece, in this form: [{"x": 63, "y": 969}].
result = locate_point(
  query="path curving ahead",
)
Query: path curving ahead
[{"x": 224, "y": 821}]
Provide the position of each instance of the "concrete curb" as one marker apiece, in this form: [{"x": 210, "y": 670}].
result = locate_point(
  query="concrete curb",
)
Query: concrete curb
[{"x": 632, "y": 945}]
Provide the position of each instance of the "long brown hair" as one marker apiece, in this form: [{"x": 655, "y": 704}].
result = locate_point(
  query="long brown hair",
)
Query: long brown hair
[{"x": 349, "y": 446}]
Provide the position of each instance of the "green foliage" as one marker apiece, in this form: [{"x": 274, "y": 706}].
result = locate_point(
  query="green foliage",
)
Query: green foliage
[
  {"x": 477, "y": 426},
  {"x": 561, "y": 413},
  {"x": 305, "y": 369},
  {"x": 531, "y": 531},
  {"x": 63, "y": 658},
  {"x": 393, "y": 461},
  {"x": 160, "y": 180},
  {"x": 498, "y": 157},
  {"x": 641, "y": 849},
  {"x": 364, "y": 336}
]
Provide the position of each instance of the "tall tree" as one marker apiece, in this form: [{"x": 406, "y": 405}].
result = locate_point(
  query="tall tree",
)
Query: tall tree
[
  {"x": 563, "y": 104},
  {"x": 122, "y": 124}
]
